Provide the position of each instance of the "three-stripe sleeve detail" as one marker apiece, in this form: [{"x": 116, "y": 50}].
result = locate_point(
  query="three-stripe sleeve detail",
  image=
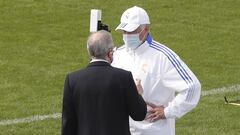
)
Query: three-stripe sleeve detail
[{"x": 178, "y": 66}]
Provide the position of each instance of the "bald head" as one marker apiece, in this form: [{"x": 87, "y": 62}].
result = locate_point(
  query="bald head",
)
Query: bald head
[{"x": 99, "y": 44}]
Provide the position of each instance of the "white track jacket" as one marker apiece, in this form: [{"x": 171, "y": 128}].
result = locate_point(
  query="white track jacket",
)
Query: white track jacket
[{"x": 166, "y": 81}]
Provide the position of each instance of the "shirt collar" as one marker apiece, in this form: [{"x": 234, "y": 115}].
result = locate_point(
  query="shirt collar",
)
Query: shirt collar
[{"x": 95, "y": 60}]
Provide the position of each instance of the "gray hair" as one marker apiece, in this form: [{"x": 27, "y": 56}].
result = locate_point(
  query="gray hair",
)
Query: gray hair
[
  {"x": 143, "y": 26},
  {"x": 99, "y": 44}
]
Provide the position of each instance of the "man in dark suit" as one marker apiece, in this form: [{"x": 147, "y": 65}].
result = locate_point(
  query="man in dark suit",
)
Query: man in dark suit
[{"x": 99, "y": 99}]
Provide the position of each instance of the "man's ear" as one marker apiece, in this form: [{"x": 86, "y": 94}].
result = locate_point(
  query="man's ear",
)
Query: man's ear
[
  {"x": 144, "y": 34},
  {"x": 110, "y": 56}
]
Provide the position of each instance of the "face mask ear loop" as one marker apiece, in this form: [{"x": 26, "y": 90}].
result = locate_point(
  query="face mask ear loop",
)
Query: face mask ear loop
[{"x": 144, "y": 37}]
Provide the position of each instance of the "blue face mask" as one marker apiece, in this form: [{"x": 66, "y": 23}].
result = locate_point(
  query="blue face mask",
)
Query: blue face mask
[{"x": 132, "y": 40}]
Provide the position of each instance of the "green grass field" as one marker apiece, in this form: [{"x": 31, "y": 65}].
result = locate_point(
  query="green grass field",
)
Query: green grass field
[{"x": 42, "y": 40}]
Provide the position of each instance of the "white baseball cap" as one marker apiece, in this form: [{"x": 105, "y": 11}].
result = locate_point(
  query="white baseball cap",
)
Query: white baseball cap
[{"x": 132, "y": 18}]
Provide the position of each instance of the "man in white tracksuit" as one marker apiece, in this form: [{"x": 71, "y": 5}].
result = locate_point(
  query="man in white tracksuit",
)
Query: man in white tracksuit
[{"x": 169, "y": 87}]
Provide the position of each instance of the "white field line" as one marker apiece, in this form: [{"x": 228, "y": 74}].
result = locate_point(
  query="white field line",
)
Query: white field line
[
  {"x": 219, "y": 91},
  {"x": 30, "y": 119},
  {"x": 234, "y": 88}
]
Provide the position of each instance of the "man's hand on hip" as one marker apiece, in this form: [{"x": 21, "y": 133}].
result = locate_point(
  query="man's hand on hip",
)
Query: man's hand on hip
[{"x": 156, "y": 112}]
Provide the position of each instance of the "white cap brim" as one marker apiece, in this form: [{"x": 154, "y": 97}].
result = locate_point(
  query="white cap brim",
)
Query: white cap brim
[{"x": 127, "y": 27}]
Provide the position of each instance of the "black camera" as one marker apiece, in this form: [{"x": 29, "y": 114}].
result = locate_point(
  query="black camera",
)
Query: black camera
[
  {"x": 95, "y": 21},
  {"x": 102, "y": 26}
]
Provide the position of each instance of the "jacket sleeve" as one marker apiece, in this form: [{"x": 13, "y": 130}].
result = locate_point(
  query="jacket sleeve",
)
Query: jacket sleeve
[
  {"x": 69, "y": 124},
  {"x": 135, "y": 103},
  {"x": 178, "y": 77}
]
